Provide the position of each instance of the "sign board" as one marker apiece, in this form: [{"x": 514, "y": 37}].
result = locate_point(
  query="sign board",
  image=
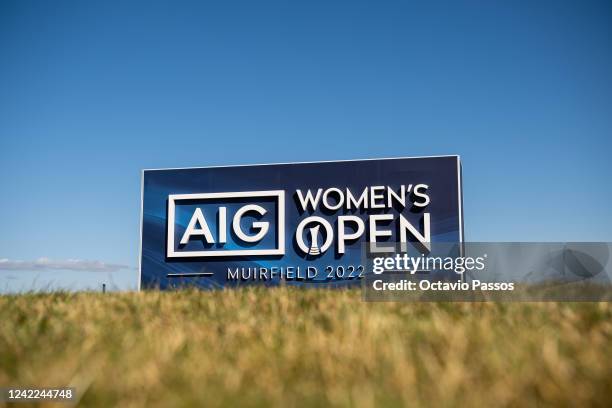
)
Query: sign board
[{"x": 293, "y": 223}]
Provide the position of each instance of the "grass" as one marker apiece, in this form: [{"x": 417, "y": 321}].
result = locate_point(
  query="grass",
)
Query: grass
[{"x": 289, "y": 347}]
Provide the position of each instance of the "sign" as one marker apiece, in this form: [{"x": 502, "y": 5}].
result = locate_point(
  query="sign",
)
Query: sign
[{"x": 294, "y": 223}]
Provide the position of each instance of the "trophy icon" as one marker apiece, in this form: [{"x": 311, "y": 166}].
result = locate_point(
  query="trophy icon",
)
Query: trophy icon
[
  {"x": 314, "y": 241},
  {"x": 303, "y": 233}
]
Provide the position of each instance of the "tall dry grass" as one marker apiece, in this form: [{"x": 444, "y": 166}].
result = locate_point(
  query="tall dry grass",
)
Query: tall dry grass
[{"x": 291, "y": 347}]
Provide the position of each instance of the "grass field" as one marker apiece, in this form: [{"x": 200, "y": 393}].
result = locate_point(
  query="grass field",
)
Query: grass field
[{"x": 305, "y": 348}]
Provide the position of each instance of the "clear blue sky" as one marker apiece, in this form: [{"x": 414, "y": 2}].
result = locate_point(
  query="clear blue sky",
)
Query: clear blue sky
[{"x": 93, "y": 92}]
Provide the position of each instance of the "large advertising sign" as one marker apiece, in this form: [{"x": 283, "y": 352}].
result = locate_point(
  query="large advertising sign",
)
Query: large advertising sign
[{"x": 294, "y": 223}]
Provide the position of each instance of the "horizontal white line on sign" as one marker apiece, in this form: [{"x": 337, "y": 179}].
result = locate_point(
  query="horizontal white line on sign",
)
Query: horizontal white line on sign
[{"x": 188, "y": 275}]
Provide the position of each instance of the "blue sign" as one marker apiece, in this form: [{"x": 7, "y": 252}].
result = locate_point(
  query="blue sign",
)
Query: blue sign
[{"x": 296, "y": 223}]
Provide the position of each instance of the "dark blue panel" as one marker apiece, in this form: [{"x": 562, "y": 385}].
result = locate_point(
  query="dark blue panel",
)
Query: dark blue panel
[{"x": 158, "y": 269}]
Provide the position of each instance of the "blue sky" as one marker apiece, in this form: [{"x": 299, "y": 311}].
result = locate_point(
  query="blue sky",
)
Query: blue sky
[{"x": 93, "y": 92}]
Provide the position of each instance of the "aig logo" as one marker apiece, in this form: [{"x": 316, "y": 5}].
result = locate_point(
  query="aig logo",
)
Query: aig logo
[{"x": 226, "y": 224}]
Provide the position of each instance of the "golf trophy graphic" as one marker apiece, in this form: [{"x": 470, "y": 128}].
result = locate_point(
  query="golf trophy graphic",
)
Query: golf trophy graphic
[
  {"x": 305, "y": 231},
  {"x": 314, "y": 241}
]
